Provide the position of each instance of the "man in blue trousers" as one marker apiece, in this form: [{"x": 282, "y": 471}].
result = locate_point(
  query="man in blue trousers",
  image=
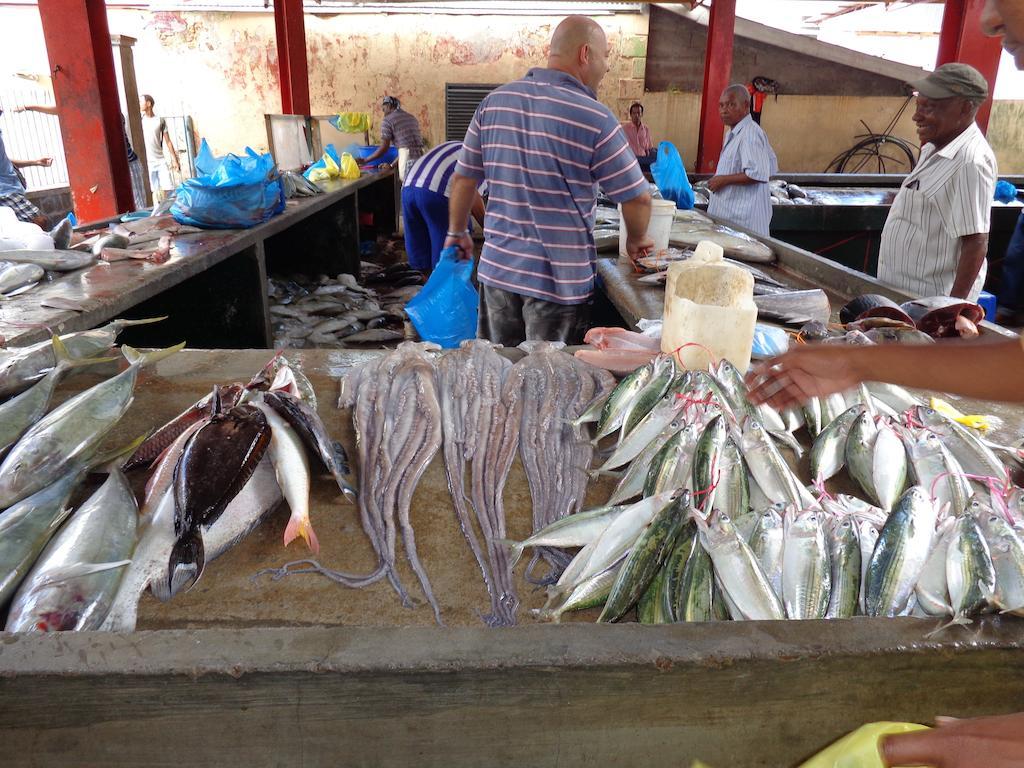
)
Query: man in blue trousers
[{"x": 425, "y": 204}]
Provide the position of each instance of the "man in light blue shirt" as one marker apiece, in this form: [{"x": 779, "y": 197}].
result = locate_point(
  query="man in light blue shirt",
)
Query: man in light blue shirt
[
  {"x": 739, "y": 189},
  {"x": 12, "y": 187}
]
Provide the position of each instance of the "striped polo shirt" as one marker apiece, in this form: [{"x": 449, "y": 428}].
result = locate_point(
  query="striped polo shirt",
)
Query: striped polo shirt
[
  {"x": 402, "y": 130},
  {"x": 747, "y": 151},
  {"x": 947, "y": 196},
  {"x": 544, "y": 143},
  {"x": 435, "y": 169}
]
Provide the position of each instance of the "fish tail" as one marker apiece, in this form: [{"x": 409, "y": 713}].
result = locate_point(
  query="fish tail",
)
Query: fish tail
[
  {"x": 515, "y": 549},
  {"x": 121, "y": 452},
  {"x": 64, "y": 359},
  {"x": 135, "y": 357},
  {"x": 300, "y": 526},
  {"x": 119, "y": 324},
  {"x": 187, "y": 561}
]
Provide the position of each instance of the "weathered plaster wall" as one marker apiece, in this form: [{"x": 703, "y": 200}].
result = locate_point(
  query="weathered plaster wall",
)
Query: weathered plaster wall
[
  {"x": 806, "y": 132},
  {"x": 222, "y": 68},
  {"x": 1006, "y": 135}
]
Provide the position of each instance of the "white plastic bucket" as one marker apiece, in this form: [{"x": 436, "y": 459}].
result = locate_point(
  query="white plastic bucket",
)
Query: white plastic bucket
[{"x": 658, "y": 229}]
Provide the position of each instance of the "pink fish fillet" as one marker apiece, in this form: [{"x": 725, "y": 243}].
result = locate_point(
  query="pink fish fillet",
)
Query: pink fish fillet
[
  {"x": 618, "y": 361},
  {"x": 620, "y": 338}
]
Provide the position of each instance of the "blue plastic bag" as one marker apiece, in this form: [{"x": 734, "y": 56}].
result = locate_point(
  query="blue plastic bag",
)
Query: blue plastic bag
[
  {"x": 769, "y": 341},
  {"x": 445, "y": 309},
  {"x": 233, "y": 192},
  {"x": 670, "y": 176},
  {"x": 360, "y": 153},
  {"x": 1005, "y": 192}
]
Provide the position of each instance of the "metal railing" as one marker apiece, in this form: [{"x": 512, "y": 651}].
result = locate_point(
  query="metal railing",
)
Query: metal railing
[{"x": 32, "y": 135}]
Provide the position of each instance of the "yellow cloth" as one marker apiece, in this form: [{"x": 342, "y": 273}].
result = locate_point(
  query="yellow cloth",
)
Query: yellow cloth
[
  {"x": 353, "y": 122},
  {"x": 981, "y": 423},
  {"x": 857, "y": 749}
]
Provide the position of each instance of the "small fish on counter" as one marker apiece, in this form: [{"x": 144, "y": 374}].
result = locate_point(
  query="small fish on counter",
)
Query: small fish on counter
[{"x": 341, "y": 312}]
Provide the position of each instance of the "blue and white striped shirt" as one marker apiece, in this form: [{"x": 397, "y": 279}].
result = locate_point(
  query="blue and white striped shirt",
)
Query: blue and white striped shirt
[
  {"x": 434, "y": 170},
  {"x": 544, "y": 143},
  {"x": 746, "y": 151}
]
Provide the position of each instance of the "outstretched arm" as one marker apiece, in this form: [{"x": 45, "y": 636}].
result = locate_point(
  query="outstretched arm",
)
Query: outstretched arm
[{"x": 978, "y": 368}]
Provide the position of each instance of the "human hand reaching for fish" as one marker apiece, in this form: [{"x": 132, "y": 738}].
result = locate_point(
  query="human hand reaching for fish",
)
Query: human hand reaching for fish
[
  {"x": 981, "y": 742},
  {"x": 800, "y": 374},
  {"x": 638, "y": 247}
]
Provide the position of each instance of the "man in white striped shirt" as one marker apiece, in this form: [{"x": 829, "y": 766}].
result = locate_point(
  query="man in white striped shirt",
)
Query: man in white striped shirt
[
  {"x": 739, "y": 189},
  {"x": 936, "y": 237}
]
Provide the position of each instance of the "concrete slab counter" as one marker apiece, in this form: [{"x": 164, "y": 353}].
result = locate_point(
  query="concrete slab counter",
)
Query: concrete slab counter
[
  {"x": 302, "y": 672},
  {"x": 214, "y": 285}
]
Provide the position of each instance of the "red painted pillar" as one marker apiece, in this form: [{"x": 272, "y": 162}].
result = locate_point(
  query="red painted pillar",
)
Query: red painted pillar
[
  {"x": 85, "y": 87},
  {"x": 949, "y": 34},
  {"x": 963, "y": 40},
  {"x": 717, "y": 71},
  {"x": 293, "y": 71}
]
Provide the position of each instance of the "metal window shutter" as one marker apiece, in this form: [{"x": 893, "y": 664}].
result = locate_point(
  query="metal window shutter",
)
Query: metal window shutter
[{"x": 460, "y": 103}]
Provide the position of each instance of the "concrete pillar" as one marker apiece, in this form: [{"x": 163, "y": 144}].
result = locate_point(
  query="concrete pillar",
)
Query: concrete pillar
[{"x": 717, "y": 72}]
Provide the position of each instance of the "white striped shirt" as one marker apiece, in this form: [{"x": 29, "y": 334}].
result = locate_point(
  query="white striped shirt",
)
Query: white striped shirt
[
  {"x": 746, "y": 151},
  {"x": 946, "y": 197}
]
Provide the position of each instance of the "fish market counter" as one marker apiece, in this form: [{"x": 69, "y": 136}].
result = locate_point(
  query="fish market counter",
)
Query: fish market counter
[
  {"x": 244, "y": 667},
  {"x": 214, "y": 286},
  {"x": 794, "y": 267}
]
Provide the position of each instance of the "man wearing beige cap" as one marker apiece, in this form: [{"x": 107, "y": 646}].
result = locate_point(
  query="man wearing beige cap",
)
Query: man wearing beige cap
[{"x": 935, "y": 239}]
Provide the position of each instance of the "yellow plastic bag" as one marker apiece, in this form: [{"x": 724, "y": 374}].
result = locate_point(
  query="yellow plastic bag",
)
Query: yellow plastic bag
[
  {"x": 351, "y": 122},
  {"x": 859, "y": 749},
  {"x": 329, "y": 170},
  {"x": 349, "y": 167}
]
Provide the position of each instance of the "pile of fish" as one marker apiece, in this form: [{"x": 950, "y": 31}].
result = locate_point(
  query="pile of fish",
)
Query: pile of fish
[
  {"x": 935, "y": 317},
  {"x": 340, "y": 312},
  {"x": 145, "y": 240},
  {"x": 297, "y": 185},
  {"x": 784, "y": 193},
  {"x": 218, "y": 470},
  {"x": 709, "y": 521},
  {"x": 59, "y": 575}
]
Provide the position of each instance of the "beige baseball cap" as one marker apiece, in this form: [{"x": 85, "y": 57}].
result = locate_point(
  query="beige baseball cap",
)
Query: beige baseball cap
[{"x": 951, "y": 80}]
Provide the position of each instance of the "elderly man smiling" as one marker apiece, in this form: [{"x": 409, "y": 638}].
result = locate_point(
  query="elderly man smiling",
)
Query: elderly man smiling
[
  {"x": 739, "y": 189},
  {"x": 935, "y": 239}
]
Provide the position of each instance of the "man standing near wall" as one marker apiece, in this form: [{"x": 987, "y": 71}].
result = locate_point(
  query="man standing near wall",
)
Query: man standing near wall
[
  {"x": 134, "y": 164},
  {"x": 739, "y": 189},
  {"x": 401, "y": 129},
  {"x": 543, "y": 144},
  {"x": 157, "y": 137},
  {"x": 12, "y": 186},
  {"x": 936, "y": 236}
]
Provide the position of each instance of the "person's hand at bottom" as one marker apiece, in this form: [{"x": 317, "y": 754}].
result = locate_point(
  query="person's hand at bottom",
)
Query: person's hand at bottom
[
  {"x": 464, "y": 243},
  {"x": 982, "y": 742}
]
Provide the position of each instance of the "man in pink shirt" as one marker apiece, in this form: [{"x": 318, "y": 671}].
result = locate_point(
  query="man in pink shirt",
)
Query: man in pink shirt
[{"x": 637, "y": 134}]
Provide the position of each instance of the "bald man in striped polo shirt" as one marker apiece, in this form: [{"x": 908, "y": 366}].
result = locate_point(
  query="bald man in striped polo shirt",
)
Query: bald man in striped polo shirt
[{"x": 544, "y": 144}]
